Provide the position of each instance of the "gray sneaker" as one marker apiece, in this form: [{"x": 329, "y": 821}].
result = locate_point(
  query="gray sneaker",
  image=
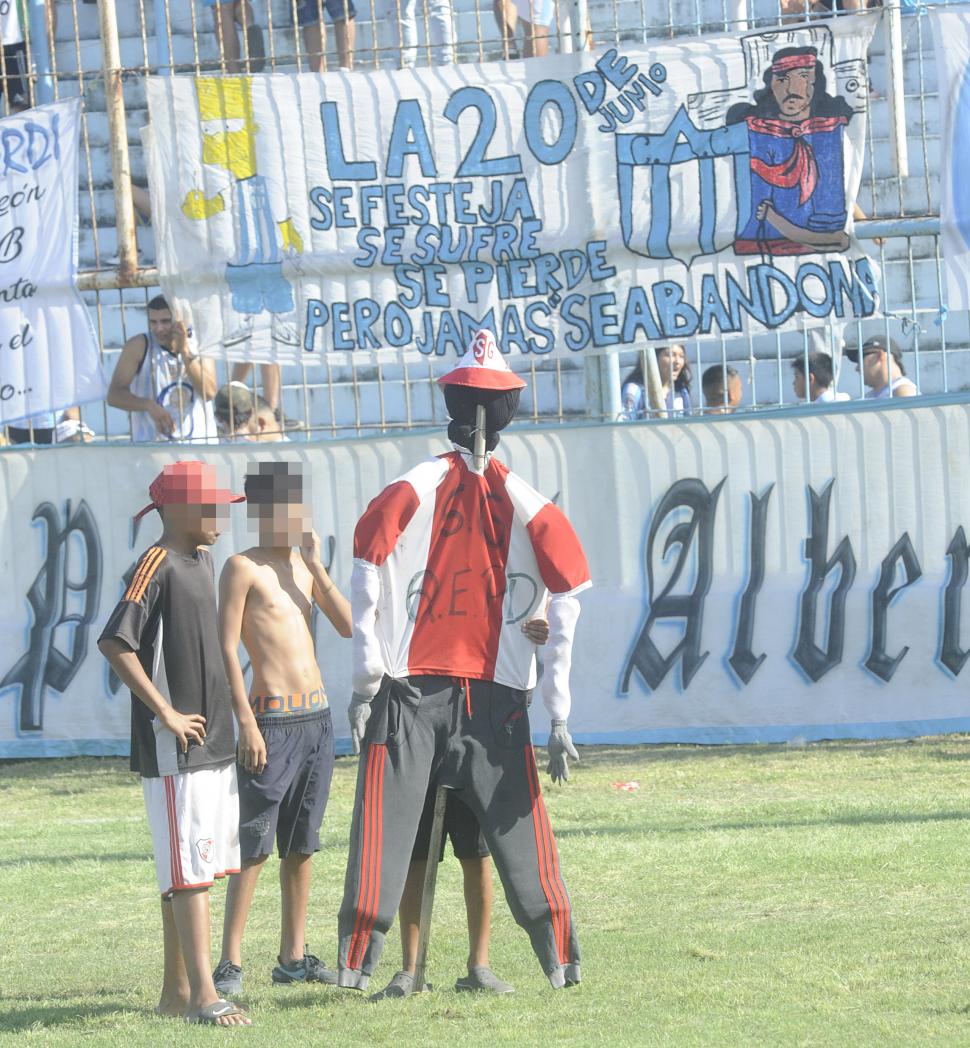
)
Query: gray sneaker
[
  {"x": 228, "y": 978},
  {"x": 484, "y": 980},
  {"x": 307, "y": 969},
  {"x": 402, "y": 985}
]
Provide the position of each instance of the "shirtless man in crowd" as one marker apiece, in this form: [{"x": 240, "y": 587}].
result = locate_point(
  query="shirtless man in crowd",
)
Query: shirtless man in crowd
[{"x": 285, "y": 749}]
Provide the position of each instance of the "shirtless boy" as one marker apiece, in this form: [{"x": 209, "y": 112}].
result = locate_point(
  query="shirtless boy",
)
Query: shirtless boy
[{"x": 285, "y": 749}]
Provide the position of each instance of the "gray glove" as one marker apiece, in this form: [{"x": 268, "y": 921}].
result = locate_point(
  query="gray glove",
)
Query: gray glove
[
  {"x": 358, "y": 713},
  {"x": 560, "y": 746}
]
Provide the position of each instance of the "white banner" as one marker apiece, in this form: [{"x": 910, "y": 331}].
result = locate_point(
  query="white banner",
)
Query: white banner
[
  {"x": 951, "y": 32},
  {"x": 753, "y": 579},
  {"x": 574, "y": 204},
  {"x": 49, "y": 358}
]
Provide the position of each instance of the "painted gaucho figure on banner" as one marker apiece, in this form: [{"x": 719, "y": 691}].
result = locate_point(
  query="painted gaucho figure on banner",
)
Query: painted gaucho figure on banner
[{"x": 795, "y": 132}]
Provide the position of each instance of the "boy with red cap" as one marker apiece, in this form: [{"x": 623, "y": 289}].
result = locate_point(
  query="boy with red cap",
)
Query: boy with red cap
[
  {"x": 162, "y": 641},
  {"x": 449, "y": 560}
]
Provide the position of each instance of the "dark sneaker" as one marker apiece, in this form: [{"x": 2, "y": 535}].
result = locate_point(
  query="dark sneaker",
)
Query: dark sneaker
[
  {"x": 307, "y": 969},
  {"x": 402, "y": 985},
  {"x": 484, "y": 980},
  {"x": 228, "y": 978}
]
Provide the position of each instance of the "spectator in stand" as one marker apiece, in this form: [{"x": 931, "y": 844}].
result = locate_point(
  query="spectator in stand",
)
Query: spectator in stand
[
  {"x": 71, "y": 430},
  {"x": 13, "y": 57},
  {"x": 163, "y": 383},
  {"x": 48, "y": 428},
  {"x": 536, "y": 17},
  {"x": 439, "y": 23},
  {"x": 309, "y": 16},
  {"x": 803, "y": 10},
  {"x": 226, "y": 14},
  {"x": 244, "y": 415},
  {"x": 882, "y": 369},
  {"x": 269, "y": 375},
  {"x": 675, "y": 385},
  {"x": 721, "y": 386},
  {"x": 821, "y": 379}
]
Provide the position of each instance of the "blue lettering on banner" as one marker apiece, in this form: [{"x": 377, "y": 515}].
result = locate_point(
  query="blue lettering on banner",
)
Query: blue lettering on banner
[
  {"x": 478, "y": 237},
  {"x": 662, "y": 310}
]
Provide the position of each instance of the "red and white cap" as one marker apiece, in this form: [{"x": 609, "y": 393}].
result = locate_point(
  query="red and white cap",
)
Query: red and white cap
[
  {"x": 188, "y": 483},
  {"x": 482, "y": 366}
]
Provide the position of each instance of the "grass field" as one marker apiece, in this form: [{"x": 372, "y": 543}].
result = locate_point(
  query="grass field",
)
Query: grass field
[{"x": 741, "y": 896}]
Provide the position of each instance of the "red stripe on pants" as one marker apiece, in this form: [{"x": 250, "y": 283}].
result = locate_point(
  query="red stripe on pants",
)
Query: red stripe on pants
[
  {"x": 175, "y": 858},
  {"x": 363, "y": 890},
  {"x": 558, "y": 886},
  {"x": 552, "y": 886},
  {"x": 370, "y": 864}
]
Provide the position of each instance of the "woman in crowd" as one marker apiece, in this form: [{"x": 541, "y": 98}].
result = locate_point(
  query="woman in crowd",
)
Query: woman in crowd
[{"x": 675, "y": 386}]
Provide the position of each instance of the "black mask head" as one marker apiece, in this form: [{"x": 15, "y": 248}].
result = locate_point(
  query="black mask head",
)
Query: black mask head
[{"x": 461, "y": 401}]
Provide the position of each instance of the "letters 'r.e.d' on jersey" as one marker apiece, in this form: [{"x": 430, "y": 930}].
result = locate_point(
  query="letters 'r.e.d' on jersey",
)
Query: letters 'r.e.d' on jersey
[{"x": 461, "y": 561}]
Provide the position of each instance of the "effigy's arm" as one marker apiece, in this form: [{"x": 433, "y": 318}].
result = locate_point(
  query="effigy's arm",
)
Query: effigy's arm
[{"x": 368, "y": 663}]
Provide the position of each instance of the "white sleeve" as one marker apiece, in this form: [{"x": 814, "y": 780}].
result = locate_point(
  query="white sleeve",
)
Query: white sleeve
[
  {"x": 365, "y": 592},
  {"x": 557, "y": 654}
]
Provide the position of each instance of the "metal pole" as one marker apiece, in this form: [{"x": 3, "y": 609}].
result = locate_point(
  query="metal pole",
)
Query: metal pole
[
  {"x": 580, "y": 15},
  {"x": 430, "y": 882},
  {"x": 40, "y": 51},
  {"x": 479, "y": 451},
  {"x": 653, "y": 381},
  {"x": 897, "y": 101},
  {"x": 118, "y": 139}
]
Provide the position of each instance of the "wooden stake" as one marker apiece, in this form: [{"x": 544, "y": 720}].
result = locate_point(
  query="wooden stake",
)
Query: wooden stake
[{"x": 430, "y": 882}]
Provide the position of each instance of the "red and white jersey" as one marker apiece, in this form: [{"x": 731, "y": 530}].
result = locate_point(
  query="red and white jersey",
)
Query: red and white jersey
[{"x": 448, "y": 565}]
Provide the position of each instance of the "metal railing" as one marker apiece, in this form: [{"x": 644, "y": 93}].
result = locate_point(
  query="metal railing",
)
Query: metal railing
[{"x": 103, "y": 52}]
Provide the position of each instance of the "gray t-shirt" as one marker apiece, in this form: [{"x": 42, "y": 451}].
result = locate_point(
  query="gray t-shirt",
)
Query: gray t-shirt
[{"x": 168, "y": 616}]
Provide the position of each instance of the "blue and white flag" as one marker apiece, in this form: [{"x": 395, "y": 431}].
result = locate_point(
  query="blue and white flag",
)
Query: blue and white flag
[
  {"x": 951, "y": 32},
  {"x": 49, "y": 357},
  {"x": 575, "y": 204}
]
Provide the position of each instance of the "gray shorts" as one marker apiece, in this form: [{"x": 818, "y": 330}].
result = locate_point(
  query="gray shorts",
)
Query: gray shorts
[
  {"x": 461, "y": 826},
  {"x": 287, "y": 800}
]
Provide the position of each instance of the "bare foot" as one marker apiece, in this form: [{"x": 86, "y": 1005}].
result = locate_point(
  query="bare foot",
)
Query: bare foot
[
  {"x": 234, "y": 1020},
  {"x": 172, "y": 1006}
]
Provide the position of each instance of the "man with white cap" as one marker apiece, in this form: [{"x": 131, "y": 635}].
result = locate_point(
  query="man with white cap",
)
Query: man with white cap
[{"x": 448, "y": 561}]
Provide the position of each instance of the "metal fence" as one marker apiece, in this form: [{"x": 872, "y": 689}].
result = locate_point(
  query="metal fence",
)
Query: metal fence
[{"x": 103, "y": 52}]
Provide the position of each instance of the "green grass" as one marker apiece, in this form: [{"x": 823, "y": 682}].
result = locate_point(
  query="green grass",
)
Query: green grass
[{"x": 742, "y": 896}]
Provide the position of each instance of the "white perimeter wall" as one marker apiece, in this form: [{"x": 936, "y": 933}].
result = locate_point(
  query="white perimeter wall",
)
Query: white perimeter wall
[{"x": 900, "y": 479}]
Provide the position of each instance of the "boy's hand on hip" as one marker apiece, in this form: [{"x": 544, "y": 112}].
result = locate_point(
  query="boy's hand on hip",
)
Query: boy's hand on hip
[
  {"x": 186, "y": 727},
  {"x": 537, "y": 630},
  {"x": 252, "y": 748}
]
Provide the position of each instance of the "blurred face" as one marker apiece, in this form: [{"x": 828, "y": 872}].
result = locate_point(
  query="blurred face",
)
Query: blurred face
[
  {"x": 248, "y": 430},
  {"x": 160, "y": 325},
  {"x": 875, "y": 372},
  {"x": 734, "y": 391},
  {"x": 798, "y": 384},
  {"x": 280, "y": 523},
  {"x": 670, "y": 361},
  {"x": 715, "y": 397},
  {"x": 201, "y": 525}
]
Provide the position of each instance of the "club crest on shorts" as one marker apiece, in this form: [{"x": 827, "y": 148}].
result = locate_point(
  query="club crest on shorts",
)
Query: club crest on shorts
[{"x": 207, "y": 847}]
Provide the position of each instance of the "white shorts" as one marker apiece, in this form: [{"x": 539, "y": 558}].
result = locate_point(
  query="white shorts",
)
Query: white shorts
[
  {"x": 538, "y": 12},
  {"x": 194, "y": 819}
]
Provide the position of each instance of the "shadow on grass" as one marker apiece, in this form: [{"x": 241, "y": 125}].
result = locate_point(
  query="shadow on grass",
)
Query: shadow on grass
[
  {"x": 658, "y": 829},
  {"x": 33, "y": 1015},
  {"x": 66, "y": 860},
  {"x": 650, "y": 753}
]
